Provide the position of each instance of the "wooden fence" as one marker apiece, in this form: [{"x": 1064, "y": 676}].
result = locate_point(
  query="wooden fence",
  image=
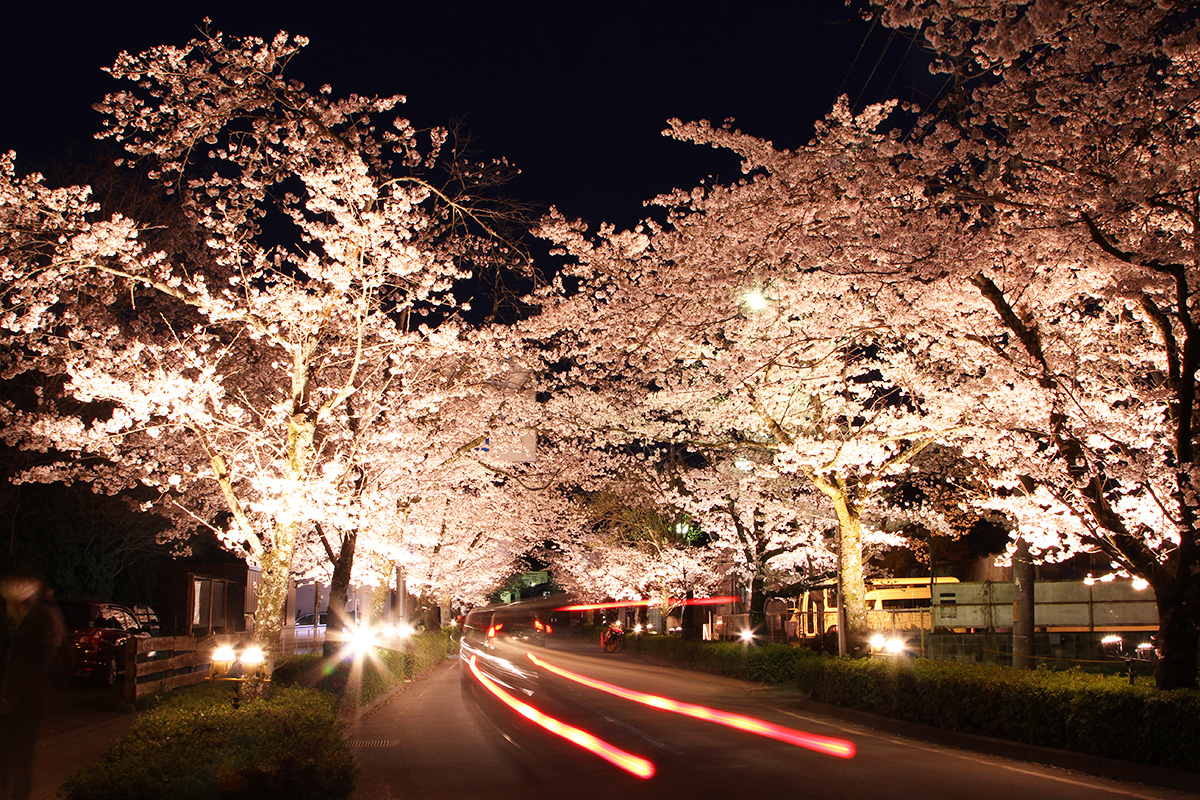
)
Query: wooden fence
[{"x": 168, "y": 662}]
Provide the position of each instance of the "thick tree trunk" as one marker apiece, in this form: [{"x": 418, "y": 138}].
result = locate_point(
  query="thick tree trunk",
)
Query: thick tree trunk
[
  {"x": 850, "y": 571},
  {"x": 339, "y": 590},
  {"x": 274, "y": 582},
  {"x": 1177, "y": 639},
  {"x": 431, "y": 616},
  {"x": 1023, "y": 616},
  {"x": 277, "y": 560},
  {"x": 852, "y": 588},
  {"x": 758, "y": 603},
  {"x": 690, "y": 620}
]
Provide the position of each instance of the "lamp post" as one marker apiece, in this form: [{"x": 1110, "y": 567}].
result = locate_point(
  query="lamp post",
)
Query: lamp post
[{"x": 1114, "y": 647}]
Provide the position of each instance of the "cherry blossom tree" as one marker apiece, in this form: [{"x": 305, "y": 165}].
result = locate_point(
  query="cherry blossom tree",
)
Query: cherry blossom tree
[
  {"x": 641, "y": 546},
  {"x": 771, "y": 527},
  {"x": 241, "y": 377},
  {"x": 743, "y": 321},
  {"x": 1056, "y": 244}
]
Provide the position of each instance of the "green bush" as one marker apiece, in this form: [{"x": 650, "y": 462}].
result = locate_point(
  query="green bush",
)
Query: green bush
[
  {"x": 378, "y": 674},
  {"x": 1088, "y": 713},
  {"x": 196, "y": 745}
]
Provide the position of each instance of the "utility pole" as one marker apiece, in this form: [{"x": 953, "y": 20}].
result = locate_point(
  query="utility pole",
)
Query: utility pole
[
  {"x": 841, "y": 601},
  {"x": 927, "y": 649}
]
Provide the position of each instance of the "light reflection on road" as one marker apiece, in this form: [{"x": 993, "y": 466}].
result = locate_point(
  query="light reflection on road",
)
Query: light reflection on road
[
  {"x": 627, "y": 761},
  {"x": 822, "y": 744}
]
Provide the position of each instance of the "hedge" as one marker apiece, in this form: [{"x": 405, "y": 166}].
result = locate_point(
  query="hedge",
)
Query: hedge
[
  {"x": 1087, "y": 713},
  {"x": 195, "y": 745}
]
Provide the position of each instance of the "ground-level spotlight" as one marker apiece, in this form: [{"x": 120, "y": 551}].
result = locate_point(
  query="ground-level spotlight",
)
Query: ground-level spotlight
[
  {"x": 252, "y": 661},
  {"x": 225, "y": 658},
  {"x": 362, "y": 641},
  {"x": 882, "y": 644},
  {"x": 222, "y": 661}
]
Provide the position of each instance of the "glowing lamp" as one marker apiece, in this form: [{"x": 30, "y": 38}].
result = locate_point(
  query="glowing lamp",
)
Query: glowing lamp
[
  {"x": 362, "y": 640},
  {"x": 252, "y": 661},
  {"x": 222, "y": 659}
]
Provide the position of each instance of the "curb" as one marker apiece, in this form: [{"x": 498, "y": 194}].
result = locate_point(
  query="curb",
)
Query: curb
[{"x": 363, "y": 712}]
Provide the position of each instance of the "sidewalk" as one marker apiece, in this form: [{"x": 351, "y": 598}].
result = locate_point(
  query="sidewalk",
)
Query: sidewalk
[{"x": 60, "y": 755}]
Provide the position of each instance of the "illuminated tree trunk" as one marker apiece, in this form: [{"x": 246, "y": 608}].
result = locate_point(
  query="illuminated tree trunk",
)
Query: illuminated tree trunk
[
  {"x": 276, "y": 560},
  {"x": 273, "y": 586},
  {"x": 850, "y": 558}
]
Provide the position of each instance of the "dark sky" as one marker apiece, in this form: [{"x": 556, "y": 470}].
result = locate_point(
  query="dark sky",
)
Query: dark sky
[{"x": 575, "y": 93}]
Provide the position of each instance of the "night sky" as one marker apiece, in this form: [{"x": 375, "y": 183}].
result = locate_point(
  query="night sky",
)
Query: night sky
[{"x": 574, "y": 93}]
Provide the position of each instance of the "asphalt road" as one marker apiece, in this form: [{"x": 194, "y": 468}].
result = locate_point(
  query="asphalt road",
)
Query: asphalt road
[{"x": 444, "y": 737}]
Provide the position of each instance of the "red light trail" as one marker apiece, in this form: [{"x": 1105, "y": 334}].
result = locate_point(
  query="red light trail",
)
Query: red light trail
[
  {"x": 694, "y": 601},
  {"x": 821, "y": 744},
  {"x": 627, "y": 761}
]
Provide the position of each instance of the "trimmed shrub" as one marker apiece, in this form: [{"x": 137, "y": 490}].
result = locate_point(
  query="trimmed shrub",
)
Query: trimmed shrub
[
  {"x": 196, "y": 746},
  {"x": 1085, "y": 712}
]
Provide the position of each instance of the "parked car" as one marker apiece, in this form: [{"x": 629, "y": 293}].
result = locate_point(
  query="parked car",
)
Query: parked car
[
  {"x": 146, "y": 618},
  {"x": 96, "y": 636},
  {"x": 310, "y": 627}
]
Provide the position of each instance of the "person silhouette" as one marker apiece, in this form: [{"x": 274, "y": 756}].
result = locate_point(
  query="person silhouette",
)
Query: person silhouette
[{"x": 30, "y": 638}]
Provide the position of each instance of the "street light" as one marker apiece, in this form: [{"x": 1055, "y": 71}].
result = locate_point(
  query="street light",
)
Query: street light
[{"x": 755, "y": 300}]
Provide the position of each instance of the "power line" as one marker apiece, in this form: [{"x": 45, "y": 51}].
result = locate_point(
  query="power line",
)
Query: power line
[{"x": 861, "y": 46}]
